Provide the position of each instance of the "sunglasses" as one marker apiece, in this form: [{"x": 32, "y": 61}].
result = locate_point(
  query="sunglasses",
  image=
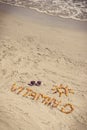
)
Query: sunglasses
[{"x": 32, "y": 83}]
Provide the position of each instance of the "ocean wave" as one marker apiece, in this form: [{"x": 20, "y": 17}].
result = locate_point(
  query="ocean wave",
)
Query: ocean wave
[{"x": 75, "y": 9}]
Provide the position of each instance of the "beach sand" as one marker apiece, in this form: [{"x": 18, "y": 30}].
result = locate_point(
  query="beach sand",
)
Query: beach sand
[{"x": 34, "y": 50}]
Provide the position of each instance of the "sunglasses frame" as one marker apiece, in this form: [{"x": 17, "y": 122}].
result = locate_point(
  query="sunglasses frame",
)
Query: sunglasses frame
[{"x": 32, "y": 83}]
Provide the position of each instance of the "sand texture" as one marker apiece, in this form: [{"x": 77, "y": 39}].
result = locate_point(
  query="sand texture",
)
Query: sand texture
[{"x": 32, "y": 51}]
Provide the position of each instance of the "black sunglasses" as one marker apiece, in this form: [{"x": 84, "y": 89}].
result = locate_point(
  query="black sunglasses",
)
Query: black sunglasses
[{"x": 32, "y": 83}]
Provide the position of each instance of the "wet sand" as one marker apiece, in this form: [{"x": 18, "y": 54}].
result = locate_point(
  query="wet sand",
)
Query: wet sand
[
  {"x": 43, "y": 18},
  {"x": 40, "y": 47}
]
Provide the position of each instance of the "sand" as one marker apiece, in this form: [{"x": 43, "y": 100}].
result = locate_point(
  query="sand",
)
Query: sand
[{"x": 36, "y": 50}]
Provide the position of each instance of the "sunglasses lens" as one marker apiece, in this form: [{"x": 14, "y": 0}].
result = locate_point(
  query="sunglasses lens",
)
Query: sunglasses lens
[
  {"x": 38, "y": 83},
  {"x": 32, "y": 82}
]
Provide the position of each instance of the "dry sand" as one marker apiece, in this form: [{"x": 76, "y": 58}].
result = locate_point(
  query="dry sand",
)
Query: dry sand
[{"x": 32, "y": 50}]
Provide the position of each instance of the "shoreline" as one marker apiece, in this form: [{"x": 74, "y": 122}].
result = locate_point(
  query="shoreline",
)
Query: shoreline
[
  {"x": 44, "y": 12},
  {"x": 44, "y": 18}
]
